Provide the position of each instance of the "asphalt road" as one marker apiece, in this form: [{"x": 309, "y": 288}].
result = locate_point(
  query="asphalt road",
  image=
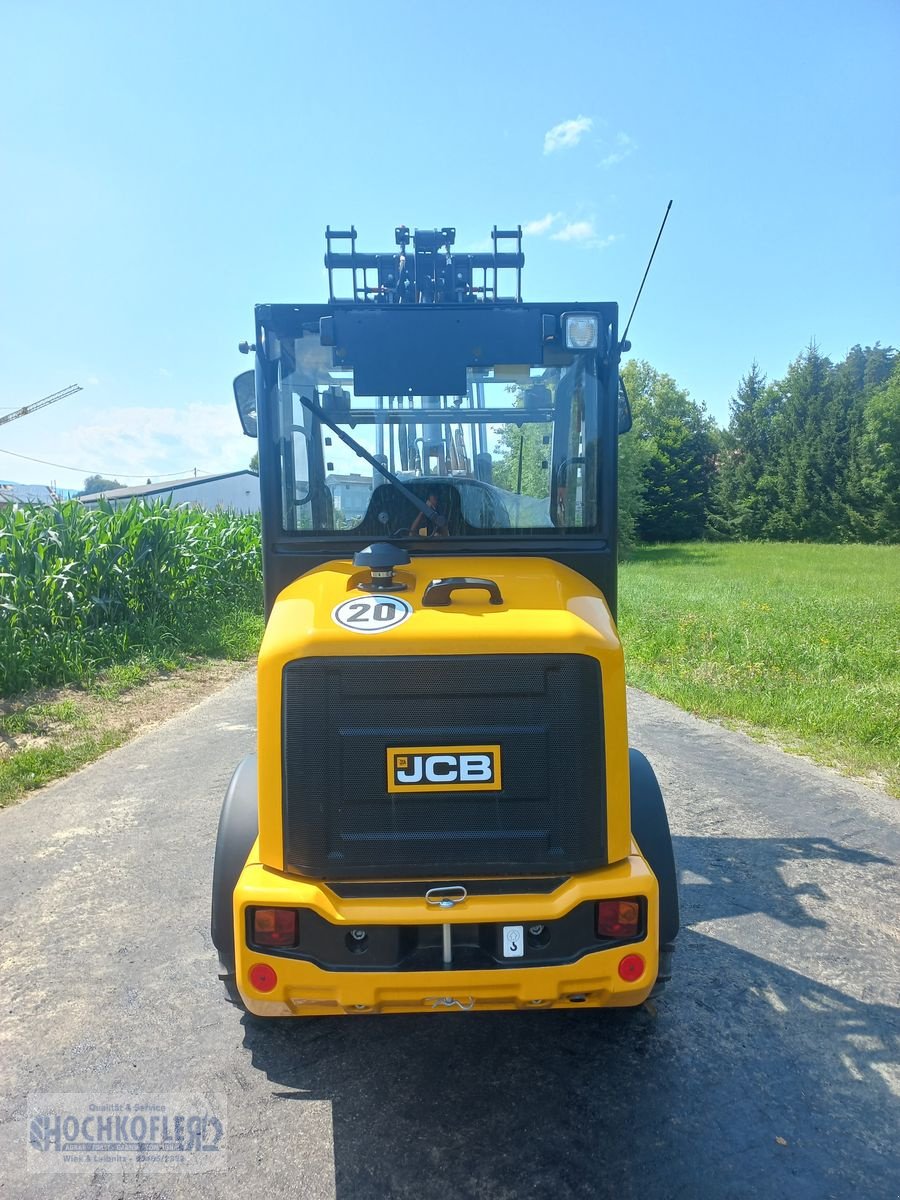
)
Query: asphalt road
[{"x": 770, "y": 1068}]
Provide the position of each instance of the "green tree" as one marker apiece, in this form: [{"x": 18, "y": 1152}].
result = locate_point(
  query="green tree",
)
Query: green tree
[
  {"x": 634, "y": 454},
  {"x": 811, "y": 453},
  {"x": 529, "y": 446},
  {"x": 98, "y": 483},
  {"x": 743, "y": 491},
  {"x": 808, "y": 457},
  {"x": 254, "y": 462},
  {"x": 861, "y": 379},
  {"x": 678, "y": 439},
  {"x": 875, "y": 470}
]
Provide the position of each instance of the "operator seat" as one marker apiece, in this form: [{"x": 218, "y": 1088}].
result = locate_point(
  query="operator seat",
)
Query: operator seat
[{"x": 389, "y": 510}]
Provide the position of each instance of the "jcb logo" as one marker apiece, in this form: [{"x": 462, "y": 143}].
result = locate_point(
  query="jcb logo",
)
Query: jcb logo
[{"x": 443, "y": 769}]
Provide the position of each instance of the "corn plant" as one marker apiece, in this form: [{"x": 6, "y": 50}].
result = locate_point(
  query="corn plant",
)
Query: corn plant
[{"x": 81, "y": 588}]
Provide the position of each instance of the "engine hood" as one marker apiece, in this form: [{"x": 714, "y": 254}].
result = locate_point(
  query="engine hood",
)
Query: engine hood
[
  {"x": 545, "y": 608},
  {"x": 541, "y": 601}
]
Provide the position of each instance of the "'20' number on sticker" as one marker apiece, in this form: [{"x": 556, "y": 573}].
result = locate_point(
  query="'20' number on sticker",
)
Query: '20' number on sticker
[{"x": 372, "y": 614}]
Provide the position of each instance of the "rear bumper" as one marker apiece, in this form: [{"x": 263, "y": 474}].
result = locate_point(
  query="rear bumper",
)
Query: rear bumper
[{"x": 306, "y": 989}]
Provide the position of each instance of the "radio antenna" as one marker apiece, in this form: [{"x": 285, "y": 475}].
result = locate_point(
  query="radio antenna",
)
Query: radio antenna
[{"x": 624, "y": 344}]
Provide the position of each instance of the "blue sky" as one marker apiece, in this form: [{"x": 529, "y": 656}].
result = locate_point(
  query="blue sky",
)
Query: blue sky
[{"x": 166, "y": 166}]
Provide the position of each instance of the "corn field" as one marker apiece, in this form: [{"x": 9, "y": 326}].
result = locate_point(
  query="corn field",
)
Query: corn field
[{"x": 82, "y": 588}]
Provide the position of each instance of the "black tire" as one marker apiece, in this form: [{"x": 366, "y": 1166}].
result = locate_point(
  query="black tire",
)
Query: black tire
[
  {"x": 650, "y": 827},
  {"x": 238, "y": 829}
]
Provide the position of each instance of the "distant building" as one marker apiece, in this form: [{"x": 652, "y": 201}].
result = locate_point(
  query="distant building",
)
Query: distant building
[
  {"x": 12, "y": 494},
  {"x": 351, "y": 494},
  {"x": 234, "y": 490}
]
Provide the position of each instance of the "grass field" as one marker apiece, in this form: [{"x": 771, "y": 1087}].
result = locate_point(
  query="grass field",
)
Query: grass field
[
  {"x": 800, "y": 643},
  {"x": 54, "y": 731}
]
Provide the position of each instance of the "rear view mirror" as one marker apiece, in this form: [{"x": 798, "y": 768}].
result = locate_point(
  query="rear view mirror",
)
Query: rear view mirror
[
  {"x": 245, "y": 399},
  {"x": 624, "y": 408}
]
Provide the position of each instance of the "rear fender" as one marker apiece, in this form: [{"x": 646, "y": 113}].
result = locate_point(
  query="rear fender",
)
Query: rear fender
[
  {"x": 650, "y": 828},
  {"x": 238, "y": 830}
]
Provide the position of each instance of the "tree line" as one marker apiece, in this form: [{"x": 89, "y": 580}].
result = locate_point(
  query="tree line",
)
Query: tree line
[{"x": 814, "y": 456}]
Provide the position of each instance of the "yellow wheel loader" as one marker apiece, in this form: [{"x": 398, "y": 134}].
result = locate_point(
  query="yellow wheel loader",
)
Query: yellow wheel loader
[{"x": 443, "y": 813}]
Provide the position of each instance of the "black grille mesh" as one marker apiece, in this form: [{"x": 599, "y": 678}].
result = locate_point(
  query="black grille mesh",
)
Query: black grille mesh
[{"x": 340, "y": 715}]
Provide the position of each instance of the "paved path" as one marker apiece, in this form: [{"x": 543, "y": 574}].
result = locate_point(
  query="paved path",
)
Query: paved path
[{"x": 782, "y": 1021}]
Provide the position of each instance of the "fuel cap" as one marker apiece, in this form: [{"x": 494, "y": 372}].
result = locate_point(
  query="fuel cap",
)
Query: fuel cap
[{"x": 381, "y": 558}]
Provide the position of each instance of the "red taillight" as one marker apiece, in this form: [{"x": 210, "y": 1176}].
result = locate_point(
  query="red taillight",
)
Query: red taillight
[
  {"x": 262, "y": 977},
  {"x": 619, "y": 918},
  {"x": 274, "y": 927},
  {"x": 631, "y": 968}
]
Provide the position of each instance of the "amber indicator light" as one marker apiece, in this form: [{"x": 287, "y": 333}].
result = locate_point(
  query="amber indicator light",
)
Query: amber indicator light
[
  {"x": 274, "y": 927},
  {"x": 619, "y": 918}
]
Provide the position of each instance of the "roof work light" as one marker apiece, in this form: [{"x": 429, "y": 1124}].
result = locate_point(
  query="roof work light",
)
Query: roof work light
[{"x": 582, "y": 331}]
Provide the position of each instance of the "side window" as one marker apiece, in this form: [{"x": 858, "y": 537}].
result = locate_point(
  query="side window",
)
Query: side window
[
  {"x": 301, "y": 466},
  {"x": 301, "y": 451},
  {"x": 295, "y": 470}
]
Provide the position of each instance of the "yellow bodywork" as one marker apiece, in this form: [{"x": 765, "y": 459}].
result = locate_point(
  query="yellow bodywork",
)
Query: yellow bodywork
[{"x": 547, "y": 608}]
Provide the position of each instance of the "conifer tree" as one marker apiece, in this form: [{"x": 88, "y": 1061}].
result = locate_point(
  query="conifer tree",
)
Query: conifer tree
[
  {"x": 874, "y": 491},
  {"x": 678, "y": 438}
]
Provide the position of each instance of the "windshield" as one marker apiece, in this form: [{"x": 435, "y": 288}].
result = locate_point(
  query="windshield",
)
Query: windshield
[{"x": 517, "y": 452}]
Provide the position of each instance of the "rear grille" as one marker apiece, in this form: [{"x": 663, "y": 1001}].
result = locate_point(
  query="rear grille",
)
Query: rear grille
[{"x": 340, "y": 716}]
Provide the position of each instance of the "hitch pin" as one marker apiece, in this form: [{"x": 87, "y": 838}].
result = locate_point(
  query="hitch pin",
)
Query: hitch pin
[{"x": 446, "y": 897}]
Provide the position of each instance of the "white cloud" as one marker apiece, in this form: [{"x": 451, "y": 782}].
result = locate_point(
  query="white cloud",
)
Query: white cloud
[
  {"x": 585, "y": 234},
  {"x": 165, "y": 372},
  {"x": 156, "y": 441},
  {"x": 92, "y": 380},
  {"x": 536, "y": 228},
  {"x": 624, "y": 147},
  {"x": 567, "y": 134},
  {"x": 575, "y": 231}
]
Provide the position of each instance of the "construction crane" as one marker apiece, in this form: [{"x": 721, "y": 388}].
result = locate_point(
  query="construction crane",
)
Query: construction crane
[{"x": 30, "y": 408}]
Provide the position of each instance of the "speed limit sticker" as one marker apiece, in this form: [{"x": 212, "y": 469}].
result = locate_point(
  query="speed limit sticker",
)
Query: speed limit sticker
[{"x": 371, "y": 614}]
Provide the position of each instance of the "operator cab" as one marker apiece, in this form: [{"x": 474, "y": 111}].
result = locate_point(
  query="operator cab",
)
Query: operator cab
[{"x": 424, "y": 407}]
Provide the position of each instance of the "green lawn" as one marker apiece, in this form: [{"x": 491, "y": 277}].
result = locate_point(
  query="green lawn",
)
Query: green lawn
[{"x": 800, "y": 643}]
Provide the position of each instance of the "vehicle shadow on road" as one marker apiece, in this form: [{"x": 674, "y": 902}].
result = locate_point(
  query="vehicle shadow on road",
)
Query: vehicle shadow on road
[
  {"x": 722, "y": 876},
  {"x": 746, "y": 1079}
]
